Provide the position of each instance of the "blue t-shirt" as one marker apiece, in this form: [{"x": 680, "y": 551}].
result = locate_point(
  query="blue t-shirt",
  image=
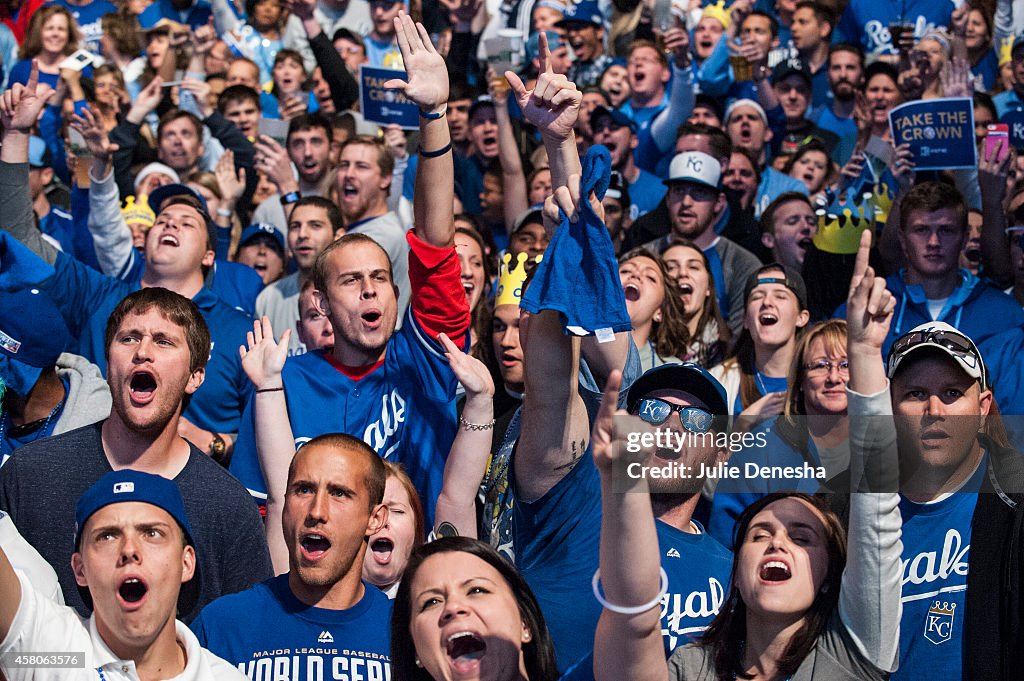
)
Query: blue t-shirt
[
  {"x": 59, "y": 225},
  {"x": 765, "y": 385},
  {"x": 936, "y": 547},
  {"x": 195, "y": 16},
  {"x": 384, "y": 55},
  {"x": 557, "y": 540},
  {"x": 89, "y": 19},
  {"x": 268, "y": 633},
  {"x": 774, "y": 184},
  {"x": 86, "y": 298},
  {"x": 698, "y": 569},
  {"x": 646, "y": 193},
  {"x": 866, "y": 22},
  {"x": 718, "y": 276},
  {"x": 844, "y": 128},
  {"x": 646, "y": 155},
  {"x": 22, "y": 69}
]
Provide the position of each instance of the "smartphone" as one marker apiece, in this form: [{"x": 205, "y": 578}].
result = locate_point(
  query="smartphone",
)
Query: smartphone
[
  {"x": 77, "y": 61},
  {"x": 995, "y": 133}
]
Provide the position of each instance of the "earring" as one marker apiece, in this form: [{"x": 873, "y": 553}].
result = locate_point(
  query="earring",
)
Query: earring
[
  {"x": 418, "y": 663},
  {"x": 527, "y": 636}
]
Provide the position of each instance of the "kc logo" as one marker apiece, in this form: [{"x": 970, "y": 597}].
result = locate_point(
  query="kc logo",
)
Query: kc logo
[
  {"x": 938, "y": 623},
  {"x": 695, "y": 164}
]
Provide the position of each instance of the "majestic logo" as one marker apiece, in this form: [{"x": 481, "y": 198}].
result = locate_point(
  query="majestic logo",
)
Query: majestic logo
[
  {"x": 672, "y": 553},
  {"x": 325, "y": 637},
  {"x": 938, "y": 623}
]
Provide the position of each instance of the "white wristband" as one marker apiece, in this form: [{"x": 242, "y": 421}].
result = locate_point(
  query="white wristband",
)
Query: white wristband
[{"x": 629, "y": 610}]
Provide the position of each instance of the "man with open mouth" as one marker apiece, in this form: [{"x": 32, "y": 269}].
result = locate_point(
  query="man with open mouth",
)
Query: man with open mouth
[
  {"x": 320, "y": 614},
  {"x": 135, "y": 564},
  {"x": 180, "y": 252},
  {"x": 157, "y": 353},
  {"x": 393, "y": 389}
]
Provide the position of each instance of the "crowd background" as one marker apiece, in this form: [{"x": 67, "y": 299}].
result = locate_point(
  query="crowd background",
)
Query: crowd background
[{"x": 700, "y": 205}]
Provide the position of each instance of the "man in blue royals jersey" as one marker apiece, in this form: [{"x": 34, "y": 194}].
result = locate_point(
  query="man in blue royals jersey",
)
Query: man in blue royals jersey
[
  {"x": 319, "y": 620},
  {"x": 179, "y": 251},
  {"x": 393, "y": 390},
  {"x": 961, "y": 503}
]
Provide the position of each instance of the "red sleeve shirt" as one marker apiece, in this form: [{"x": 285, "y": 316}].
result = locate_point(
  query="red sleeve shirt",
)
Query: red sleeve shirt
[{"x": 438, "y": 300}]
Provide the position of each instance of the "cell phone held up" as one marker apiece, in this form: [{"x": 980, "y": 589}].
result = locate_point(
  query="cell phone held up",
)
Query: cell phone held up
[{"x": 997, "y": 142}]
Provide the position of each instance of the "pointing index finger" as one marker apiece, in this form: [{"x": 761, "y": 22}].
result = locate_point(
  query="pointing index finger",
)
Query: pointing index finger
[
  {"x": 543, "y": 53},
  {"x": 860, "y": 266}
]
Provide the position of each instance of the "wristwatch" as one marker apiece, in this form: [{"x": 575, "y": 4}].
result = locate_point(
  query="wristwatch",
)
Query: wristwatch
[{"x": 218, "y": 448}]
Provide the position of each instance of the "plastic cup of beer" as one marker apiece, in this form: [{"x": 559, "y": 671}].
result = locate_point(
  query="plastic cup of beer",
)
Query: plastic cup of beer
[{"x": 742, "y": 70}]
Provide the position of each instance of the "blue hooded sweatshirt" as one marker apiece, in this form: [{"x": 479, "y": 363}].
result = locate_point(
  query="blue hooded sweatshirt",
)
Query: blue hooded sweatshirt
[{"x": 976, "y": 307}]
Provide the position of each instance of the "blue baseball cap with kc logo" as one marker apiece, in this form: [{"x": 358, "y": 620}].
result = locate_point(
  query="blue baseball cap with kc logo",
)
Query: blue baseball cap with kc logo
[{"x": 696, "y": 167}]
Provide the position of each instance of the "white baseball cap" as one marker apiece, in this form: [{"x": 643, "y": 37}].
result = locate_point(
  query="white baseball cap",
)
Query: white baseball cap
[
  {"x": 946, "y": 338},
  {"x": 696, "y": 167}
]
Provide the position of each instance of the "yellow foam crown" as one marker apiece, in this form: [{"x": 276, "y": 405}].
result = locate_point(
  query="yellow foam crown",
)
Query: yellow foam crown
[
  {"x": 718, "y": 11},
  {"x": 136, "y": 211},
  {"x": 840, "y": 227},
  {"x": 511, "y": 277}
]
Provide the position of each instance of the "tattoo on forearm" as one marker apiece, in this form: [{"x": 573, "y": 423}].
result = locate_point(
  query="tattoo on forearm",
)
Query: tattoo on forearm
[{"x": 577, "y": 452}]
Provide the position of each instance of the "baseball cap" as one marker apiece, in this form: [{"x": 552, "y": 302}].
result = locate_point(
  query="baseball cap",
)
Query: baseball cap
[
  {"x": 156, "y": 167},
  {"x": 696, "y": 167},
  {"x": 130, "y": 485},
  {"x": 945, "y": 338},
  {"x": 618, "y": 117},
  {"x": 532, "y": 215},
  {"x": 35, "y": 338},
  {"x": 789, "y": 67},
  {"x": 38, "y": 155},
  {"x": 790, "y": 278},
  {"x": 265, "y": 231},
  {"x": 164, "y": 192},
  {"x": 586, "y": 12},
  {"x": 533, "y": 44},
  {"x": 708, "y": 102},
  {"x": 748, "y": 103},
  {"x": 482, "y": 100},
  {"x": 688, "y": 377}
]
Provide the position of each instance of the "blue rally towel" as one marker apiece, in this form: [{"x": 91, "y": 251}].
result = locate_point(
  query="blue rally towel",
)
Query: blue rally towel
[{"x": 579, "y": 275}]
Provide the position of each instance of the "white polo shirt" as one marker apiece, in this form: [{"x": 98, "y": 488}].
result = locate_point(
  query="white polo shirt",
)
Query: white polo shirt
[{"x": 42, "y": 626}]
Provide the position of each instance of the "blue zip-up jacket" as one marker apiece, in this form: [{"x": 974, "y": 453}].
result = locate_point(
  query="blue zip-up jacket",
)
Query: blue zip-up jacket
[{"x": 976, "y": 307}]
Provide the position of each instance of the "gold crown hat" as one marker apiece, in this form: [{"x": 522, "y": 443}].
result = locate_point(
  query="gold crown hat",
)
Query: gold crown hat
[
  {"x": 840, "y": 225},
  {"x": 718, "y": 11},
  {"x": 511, "y": 277},
  {"x": 136, "y": 211}
]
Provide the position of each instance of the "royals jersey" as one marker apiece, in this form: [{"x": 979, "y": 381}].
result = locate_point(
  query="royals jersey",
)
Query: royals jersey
[
  {"x": 404, "y": 408},
  {"x": 936, "y": 557},
  {"x": 86, "y": 298},
  {"x": 269, "y": 634}
]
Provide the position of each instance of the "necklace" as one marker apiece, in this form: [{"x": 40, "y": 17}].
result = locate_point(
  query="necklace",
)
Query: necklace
[
  {"x": 26, "y": 428},
  {"x": 760, "y": 382}
]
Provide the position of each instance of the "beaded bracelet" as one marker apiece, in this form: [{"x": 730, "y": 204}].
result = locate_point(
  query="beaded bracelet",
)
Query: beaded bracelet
[{"x": 476, "y": 426}]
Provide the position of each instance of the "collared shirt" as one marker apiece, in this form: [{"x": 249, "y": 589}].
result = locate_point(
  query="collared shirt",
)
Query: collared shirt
[{"x": 43, "y": 625}]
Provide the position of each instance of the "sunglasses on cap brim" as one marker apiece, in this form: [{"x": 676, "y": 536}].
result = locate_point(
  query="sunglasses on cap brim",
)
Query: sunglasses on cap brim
[
  {"x": 957, "y": 344},
  {"x": 657, "y": 411}
]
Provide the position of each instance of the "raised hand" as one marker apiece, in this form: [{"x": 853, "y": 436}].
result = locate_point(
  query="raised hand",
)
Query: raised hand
[
  {"x": 147, "y": 100},
  {"x": 303, "y": 9},
  {"x": 272, "y": 159},
  {"x": 264, "y": 358},
  {"x": 96, "y": 139},
  {"x": 567, "y": 199},
  {"x": 231, "y": 183},
  {"x": 294, "y": 106},
  {"x": 200, "y": 89},
  {"x": 553, "y": 105},
  {"x": 956, "y": 78},
  {"x": 20, "y": 104},
  {"x": 869, "y": 306},
  {"x": 903, "y": 165},
  {"x": 471, "y": 372},
  {"x": 426, "y": 69},
  {"x": 609, "y": 442},
  {"x": 395, "y": 140},
  {"x": 204, "y": 38},
  {"x": 677, "y": 41}
]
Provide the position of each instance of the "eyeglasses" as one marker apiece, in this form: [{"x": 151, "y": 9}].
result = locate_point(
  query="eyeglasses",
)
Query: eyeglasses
[
  {"x": 824, "y": 368},
  {"x": 657, "y": 412},
  {"x": 698, "y": 192}
]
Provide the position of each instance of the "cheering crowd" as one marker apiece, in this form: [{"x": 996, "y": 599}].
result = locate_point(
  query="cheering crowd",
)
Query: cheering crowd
[{"x": 292, "y": 392}]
